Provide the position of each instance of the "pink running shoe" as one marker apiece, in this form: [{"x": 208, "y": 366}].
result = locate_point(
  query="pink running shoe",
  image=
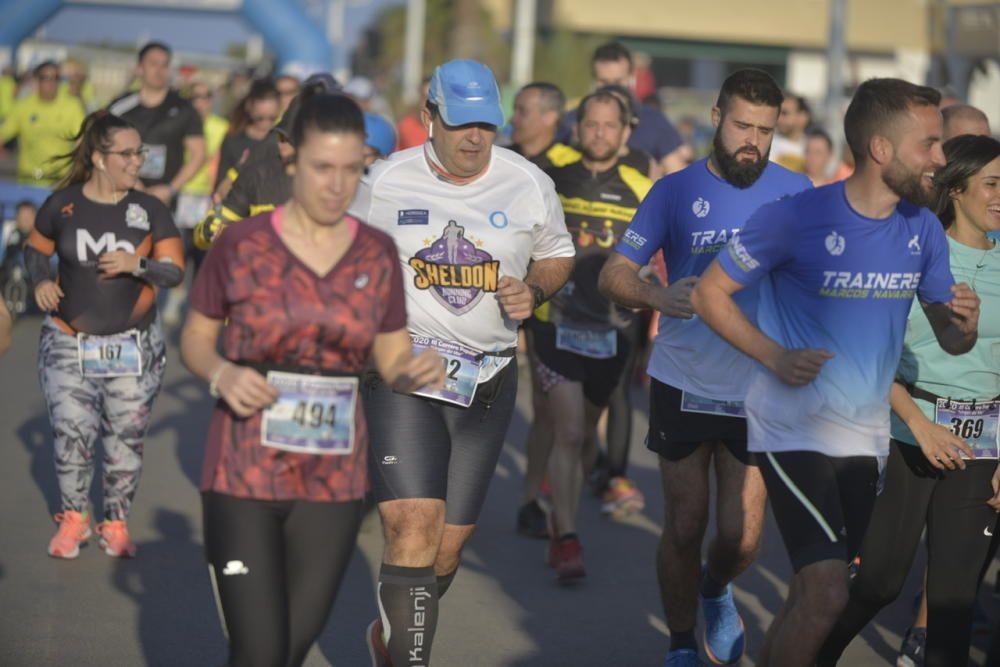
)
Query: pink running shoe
[
  {"x": 74, "y": 530},
  {"x": 115, "y": 540}
]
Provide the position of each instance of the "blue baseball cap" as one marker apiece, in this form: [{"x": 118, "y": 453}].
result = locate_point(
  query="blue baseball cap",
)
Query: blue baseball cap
[
  {"x": 379, "y": 134},
  {"x": 465, "y": 91}
]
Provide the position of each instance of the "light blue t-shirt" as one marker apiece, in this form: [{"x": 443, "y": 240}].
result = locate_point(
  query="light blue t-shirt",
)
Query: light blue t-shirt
[
  {"x": 831, "y": 278},
  {"x": 691, "y": 215}
]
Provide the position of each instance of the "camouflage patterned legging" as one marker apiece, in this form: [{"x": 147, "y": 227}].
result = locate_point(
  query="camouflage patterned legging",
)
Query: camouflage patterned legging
[{"x": 81, "y": 409}]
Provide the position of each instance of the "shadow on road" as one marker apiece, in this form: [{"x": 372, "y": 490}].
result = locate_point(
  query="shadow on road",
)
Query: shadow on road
[{"x": 170, "y": 586}]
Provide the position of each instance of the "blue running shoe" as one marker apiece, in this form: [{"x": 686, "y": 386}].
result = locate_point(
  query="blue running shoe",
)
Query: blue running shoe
[
  {"x": 725, "y": 639},
  {"x": 683, "y": 657}
]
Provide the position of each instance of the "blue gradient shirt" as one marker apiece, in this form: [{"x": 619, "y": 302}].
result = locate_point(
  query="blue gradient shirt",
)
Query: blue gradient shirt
[
  {"x": 691, "y": 215},
  {"x": 832, "y": 278}
]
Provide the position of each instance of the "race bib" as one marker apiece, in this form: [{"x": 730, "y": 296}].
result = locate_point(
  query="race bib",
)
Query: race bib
[
  {"x": 156, "y": 162},
  {"x": 710, "y": 406},
  {"x": 973, "y": 421},
  {"x": 117, "y": 355},
  {"x": 587, "y": 343},
  {"x": 461, "y": 370},
  {"x": 191, "y": 209},
  {"x": 313, "y": 414}
]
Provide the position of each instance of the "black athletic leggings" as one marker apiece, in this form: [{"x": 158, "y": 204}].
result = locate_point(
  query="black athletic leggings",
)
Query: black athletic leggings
[
  {"x": 276, "y": 566},
  {"x": 952, "y": 504},
  {"x": 620, "y": 405}
]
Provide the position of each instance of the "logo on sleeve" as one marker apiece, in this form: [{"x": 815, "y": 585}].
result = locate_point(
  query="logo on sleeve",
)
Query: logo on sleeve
[
  {"x": 136, "y": 217},
  {"x": 455, "y": 270},
  {"x": 836, "y": 244},
  {"x": 914, "y": 245},
  {"x": 633, "y": 239},
  {"x": 701, "y": 207},
  {"x": 412, "y": 216}
]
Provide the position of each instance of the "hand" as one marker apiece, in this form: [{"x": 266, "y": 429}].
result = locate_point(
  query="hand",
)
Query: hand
[
  {"x": 940, "y": 446},
  {"x": 47, "y": 295},
  {"x": 421, "y": 371},
  {"x": 674, "y": 300},
  {"x": 994, "y": 502},
  {"x": 800, "y": 367},
  {"x": 964, "y": 307},
  {"x": 161, "y": 192},
  {"x": 245, "y": 390},
  {"x": 111, "y": 264},
  {"x": 516, "y": 298}
]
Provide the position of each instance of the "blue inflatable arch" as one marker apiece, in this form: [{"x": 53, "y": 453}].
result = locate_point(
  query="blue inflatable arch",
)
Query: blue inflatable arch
[{"x": 293, "y": 37}]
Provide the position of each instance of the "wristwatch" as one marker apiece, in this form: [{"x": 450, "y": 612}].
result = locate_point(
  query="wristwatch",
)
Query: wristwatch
[
  {"x": 142, "y": 268},
  {"x": 539, "y": 295}
]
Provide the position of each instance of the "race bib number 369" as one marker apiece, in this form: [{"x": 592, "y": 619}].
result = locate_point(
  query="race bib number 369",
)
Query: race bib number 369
[
  {"x": 313, "y": 414},
  {"x": 975, "y": 422}
]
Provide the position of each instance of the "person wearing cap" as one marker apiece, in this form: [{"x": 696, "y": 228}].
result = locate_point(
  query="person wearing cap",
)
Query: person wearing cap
[
  {"x": 482, "y": 242},
  {"x": 380, "y": 138}
]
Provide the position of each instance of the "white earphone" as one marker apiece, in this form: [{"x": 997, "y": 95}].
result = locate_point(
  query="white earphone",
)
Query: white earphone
[
  {"x": 100, "y": 165},
  {"x": 430, "y": 131}
]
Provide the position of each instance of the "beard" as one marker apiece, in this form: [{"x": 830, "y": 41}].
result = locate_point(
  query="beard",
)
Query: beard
[
  {"x": 738, "y": 172},
  {"x": 595, "y": 155},
  {"x": 908, "y": 185}
]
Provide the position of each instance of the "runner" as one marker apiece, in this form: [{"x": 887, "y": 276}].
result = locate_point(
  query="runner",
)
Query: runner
[
  {"x": 43, "y": 123},
  {"x": 698, "y": 380},
  {"x": 581, "y": 347},
  {"x": 285, "y": 468},
  {"x": 789, "y": 146},
  {"x": 250, "y": 123},
  {"x": 434, "y": 454},
  {"x": 102, "y": 355},
  {"x": 538, "y": 108},
  {"x": 848, "y": 253},
  {"x": 962, "y": 119},
  {"x": 955, "y": 499},
  {"x": 170, "y": 127}
]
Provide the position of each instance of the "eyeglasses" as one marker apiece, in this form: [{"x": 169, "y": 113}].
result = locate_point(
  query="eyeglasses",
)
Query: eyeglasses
[{"x": 131, "y": 154}]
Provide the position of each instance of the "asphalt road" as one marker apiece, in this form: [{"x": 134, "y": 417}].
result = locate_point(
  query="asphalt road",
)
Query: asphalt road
[{"x": 504, "y": 608}]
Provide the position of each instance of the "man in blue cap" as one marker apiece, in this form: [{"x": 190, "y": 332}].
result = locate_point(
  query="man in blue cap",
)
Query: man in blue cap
[{"x": 468, "y": 219}]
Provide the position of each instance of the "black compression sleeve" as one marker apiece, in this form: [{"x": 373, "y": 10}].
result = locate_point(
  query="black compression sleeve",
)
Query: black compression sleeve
[
  {"x": 37, "y": 265},
  {"x": 163, "y": 274}
]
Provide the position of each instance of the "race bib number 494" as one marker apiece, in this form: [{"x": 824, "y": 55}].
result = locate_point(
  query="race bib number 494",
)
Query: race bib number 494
[
  {"x": 313, "y": 414},
  {"x": 975, "y": 422},
  {"x": 118, "y": 355}
]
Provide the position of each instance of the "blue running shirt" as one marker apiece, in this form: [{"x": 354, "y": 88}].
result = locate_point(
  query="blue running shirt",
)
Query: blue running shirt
[
  {"x": 831, "y": 278},
  {"x": 691, "y": 215}
]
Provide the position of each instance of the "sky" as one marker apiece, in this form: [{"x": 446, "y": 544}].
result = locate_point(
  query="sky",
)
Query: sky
[{"x": 207, "y": 32}]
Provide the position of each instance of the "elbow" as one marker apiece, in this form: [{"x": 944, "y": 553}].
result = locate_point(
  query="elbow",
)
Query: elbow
[{"x": 698, "y": 300}]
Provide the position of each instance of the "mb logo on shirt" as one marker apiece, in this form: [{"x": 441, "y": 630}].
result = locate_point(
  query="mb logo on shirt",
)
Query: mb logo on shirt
[
  {"x": 455, "y": 271},
  {"x": 106, "y": 242}
]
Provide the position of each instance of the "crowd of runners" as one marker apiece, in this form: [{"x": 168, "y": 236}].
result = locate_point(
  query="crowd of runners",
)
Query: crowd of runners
[{"x": 816, "y": 335}]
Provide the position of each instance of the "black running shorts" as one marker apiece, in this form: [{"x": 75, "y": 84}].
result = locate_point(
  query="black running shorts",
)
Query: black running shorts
[
  {"x": 675, "y": 434},
  {"x": 822, "y": 504}
]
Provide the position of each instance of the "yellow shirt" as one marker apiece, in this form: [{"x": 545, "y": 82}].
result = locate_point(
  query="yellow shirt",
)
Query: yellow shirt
[
  {"x": 45, "y": 130},
  {"x": 8, "y": 93},
  {"x": 215, "y": 131},
  {"x": 86, "y": 94}
]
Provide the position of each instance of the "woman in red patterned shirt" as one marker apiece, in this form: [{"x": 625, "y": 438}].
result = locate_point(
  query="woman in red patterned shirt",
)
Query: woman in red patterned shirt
[{"x": 302, "y": 296}]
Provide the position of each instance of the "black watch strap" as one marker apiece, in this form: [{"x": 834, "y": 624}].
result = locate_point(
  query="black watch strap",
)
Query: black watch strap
[{"x": 539, "y": 295}]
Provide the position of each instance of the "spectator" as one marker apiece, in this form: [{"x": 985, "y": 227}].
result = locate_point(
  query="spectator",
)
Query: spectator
[
  {"x": 789, "y": 145},
  {"x": 170, "y": 127},
  {"x": 44, "y": 124}
]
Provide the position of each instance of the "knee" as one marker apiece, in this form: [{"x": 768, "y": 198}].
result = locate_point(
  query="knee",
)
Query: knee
[
  {"x": 412, "y": 530},
  {"x": 742, "y": 546},
  {"x": 880, "y": 588},
  {"x": 569, "y": 433},
  {"x": 824, "y": 593},
  {"x": 685, "y": 529}
]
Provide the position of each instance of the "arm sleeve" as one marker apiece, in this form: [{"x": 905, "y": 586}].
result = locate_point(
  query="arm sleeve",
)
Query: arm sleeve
[
  {"x": 394, "y": 318},
  {"x": 208, "y": 293},
  {"x": 647, "y": 233},
  {"x": 766, "y": 241},
  {"x": 551, "y": 237},
  {"x": 936, "y": 278}
]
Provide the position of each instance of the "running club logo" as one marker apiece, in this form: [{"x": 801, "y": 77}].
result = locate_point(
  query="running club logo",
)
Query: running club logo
[
  {"x": 136, "y": 217},
  {"x": 836, "y": 244},
  {"x": 456, "y": 271},
  {"x": 701, "y": 207}
]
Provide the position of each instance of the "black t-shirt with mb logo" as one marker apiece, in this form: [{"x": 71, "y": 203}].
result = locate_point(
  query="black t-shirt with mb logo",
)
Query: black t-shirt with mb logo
[{"x": 80, "y": 230}]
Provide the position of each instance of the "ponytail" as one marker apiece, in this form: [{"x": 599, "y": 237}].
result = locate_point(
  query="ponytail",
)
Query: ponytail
[{"x": 96, "y": 134}]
